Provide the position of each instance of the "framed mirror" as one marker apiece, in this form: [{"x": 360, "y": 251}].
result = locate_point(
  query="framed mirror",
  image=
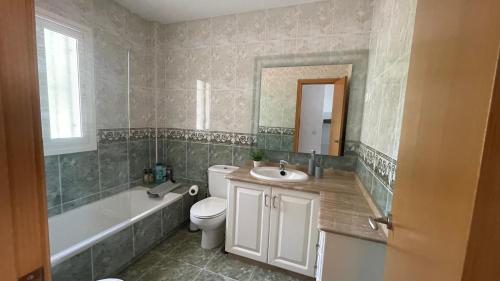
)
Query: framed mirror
[{"x": 304, "y": 108}]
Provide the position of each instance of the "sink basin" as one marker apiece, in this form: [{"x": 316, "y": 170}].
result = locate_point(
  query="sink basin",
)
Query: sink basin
[{"x": 273, "y": 174}]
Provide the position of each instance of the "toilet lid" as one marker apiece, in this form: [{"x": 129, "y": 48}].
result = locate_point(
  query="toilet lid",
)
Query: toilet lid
[{"x": 209, "y": 207}]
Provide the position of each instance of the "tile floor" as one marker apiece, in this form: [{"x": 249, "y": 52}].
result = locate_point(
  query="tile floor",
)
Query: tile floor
[{"x": 180, "y": 258}]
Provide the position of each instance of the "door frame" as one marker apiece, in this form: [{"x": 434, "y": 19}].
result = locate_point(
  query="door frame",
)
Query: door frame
[{"x": 340, "y": 97}]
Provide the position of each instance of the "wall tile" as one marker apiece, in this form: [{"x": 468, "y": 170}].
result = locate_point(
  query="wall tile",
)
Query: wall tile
[
  {"x": 352, "y": 16},
  {"x": 139, "y": 31},
  {"x": 111, "y": 104},
  {"x": 276, "y": 156},
  {"x": 221, "y": 111},
  {"x": 282, "y": 23},
  {"x": 113, "y": 164},
  {"x": 110, "y": 15},
  {"x": 176, "y": 104},
  {"x": 138, "y": 153},
  {"x": 70, "y": 205},
  {"x": 198, "y": 67},
  {"x": 77, "y": 268},
  {"x": 176, "y": 157},
  {"x": 198, "y": 33},
  {"x": 115, "y": 190},
  {"x": 241, "y": 155},
  {"x": 300, "y": 158},
  {"x": 113, "y": 253},
  {"x": 224, "y": 29},
  {"x": 287, "y": 143},
  {"x": 140, "y": 68},
  {"x": 110, "y": 56},
  {"x": 364, "y": 175},
  {"x": 251, "y": 26},
  {"x": 346, "y": 162},
  {"x": 52, "y": 183},
  {"x": 224, "y": 66},
  {"x": 273, "y": 142},
  {"x": 197, "y": 161},
  {"x": 172, "y": 217},
  {"x": 220, "y": 155},
  {"x": 56, "y": 210},
  {"x": 379, "y": 194},
  {"x": 315, "y": 18},
  {"x": 147, "y": 232},
  {"x": 79, "y": 175}
]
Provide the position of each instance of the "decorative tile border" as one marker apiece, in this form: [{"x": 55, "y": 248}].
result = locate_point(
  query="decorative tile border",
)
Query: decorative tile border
[
  {"x": 215, "y": 137},
  {"x": 141, "y": 133},
  {"x": 202, "y": 136},
  {"x": 123, "y": 134},
  {"x": 383, "y": 166},
  {"x": 112, "y": 135},
  {"x": 244, "y": 139},
  {"x": 276, "y": 130},
  {"x": 221, "y": 137}
]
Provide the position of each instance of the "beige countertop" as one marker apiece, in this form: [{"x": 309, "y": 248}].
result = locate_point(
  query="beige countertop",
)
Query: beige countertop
[{"x": 344, "y": 209}]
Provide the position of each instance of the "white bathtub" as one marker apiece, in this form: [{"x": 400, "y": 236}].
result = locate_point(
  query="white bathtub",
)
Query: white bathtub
[{"x": 77, "y": 230}]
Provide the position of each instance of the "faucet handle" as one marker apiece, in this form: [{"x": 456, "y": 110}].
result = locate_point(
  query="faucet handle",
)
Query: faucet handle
[{"x": 283, "y": 162}]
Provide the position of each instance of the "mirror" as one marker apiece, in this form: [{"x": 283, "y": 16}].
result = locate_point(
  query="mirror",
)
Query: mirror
[{"x": 304, "y": 108}]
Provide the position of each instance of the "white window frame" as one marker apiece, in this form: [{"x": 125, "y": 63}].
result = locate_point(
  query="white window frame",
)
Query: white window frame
[{"x": 83, "y": 34}]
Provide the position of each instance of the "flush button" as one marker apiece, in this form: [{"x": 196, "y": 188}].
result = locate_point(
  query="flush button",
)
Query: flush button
[{"x": 36, "y": 275}]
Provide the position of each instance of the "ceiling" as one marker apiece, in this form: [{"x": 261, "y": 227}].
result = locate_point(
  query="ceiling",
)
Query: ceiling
[{"x": 170, "y": 11}]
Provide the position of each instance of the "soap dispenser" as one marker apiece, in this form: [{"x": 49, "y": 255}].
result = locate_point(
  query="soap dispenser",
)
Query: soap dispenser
[{"x": 312, "y": 164}]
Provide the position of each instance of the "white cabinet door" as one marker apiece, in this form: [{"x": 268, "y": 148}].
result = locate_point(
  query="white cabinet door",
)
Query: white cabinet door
[
  {"x": 347, "y": 258},
  {"x": 247, "y": 227},
  {"x": 293, "y": 233}
]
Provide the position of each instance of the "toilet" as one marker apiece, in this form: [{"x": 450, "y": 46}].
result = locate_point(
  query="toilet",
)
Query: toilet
[{"x": 209, "y": 214}]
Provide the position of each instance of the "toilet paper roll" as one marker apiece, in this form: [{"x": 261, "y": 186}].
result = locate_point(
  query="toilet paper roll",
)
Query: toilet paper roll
[{"x": 193, "y": 190}]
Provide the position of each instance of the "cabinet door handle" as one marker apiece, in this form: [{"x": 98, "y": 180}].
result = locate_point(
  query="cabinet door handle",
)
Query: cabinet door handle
[
  {"x": 265, "y": 200},
  {"x": 274, "y": 201}
]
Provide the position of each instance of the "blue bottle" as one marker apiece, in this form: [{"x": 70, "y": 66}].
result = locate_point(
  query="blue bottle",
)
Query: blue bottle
[{"x": 159, "y": 172}]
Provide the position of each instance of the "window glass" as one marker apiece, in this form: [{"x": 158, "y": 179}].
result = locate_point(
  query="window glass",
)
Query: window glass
[{"x": 61, "y": 56}]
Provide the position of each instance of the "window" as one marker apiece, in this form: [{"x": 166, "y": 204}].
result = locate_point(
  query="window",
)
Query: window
[{"x": 66, "y": 85}]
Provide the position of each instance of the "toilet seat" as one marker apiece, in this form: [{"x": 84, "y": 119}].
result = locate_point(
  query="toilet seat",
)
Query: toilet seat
[{"x": 208, "y": 208}]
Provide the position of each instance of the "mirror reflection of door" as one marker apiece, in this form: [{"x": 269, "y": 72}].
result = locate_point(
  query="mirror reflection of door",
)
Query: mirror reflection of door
[{"x": 320, "y": 114}]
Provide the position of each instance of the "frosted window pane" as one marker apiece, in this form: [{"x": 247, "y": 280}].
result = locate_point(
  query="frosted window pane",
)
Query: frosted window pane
[{"x": 61, "y": 54}]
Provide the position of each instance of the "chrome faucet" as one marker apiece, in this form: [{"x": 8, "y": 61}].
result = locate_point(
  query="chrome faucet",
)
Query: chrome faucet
[{"x": 283, "y": 167}]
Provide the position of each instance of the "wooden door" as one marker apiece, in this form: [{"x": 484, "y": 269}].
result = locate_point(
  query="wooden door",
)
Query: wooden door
[
  {"x": 23, "y": 217},
  {"x": 247, "y": 227},
  {"x": 337, "y": 128},
  {"x": 293, "y": 233},
  {"x": 338, "y": 117},
  {"x": 448, "y": 99}
]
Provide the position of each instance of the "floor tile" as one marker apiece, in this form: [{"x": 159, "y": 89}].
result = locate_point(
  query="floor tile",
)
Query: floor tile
[
  {"x": 230, "y": 266},
  {"x": 210, "y": 276},
  {"x": 169, "y": 244},
  {"x": 191, "y": 252},
  {"x": 265, "y": 274},
  {"x": 171, "y": 270},
  {"x": 141, "y": 266}
]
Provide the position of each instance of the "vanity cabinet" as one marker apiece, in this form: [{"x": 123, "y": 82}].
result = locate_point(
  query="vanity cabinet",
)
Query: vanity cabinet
[{"x": 273, "y": 225}]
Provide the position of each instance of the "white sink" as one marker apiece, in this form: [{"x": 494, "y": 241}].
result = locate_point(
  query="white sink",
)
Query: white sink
[{"x": 273, "y": 174}]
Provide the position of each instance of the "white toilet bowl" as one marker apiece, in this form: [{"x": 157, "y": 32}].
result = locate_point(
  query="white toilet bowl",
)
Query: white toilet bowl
[{"x": 209, "y": 215}]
